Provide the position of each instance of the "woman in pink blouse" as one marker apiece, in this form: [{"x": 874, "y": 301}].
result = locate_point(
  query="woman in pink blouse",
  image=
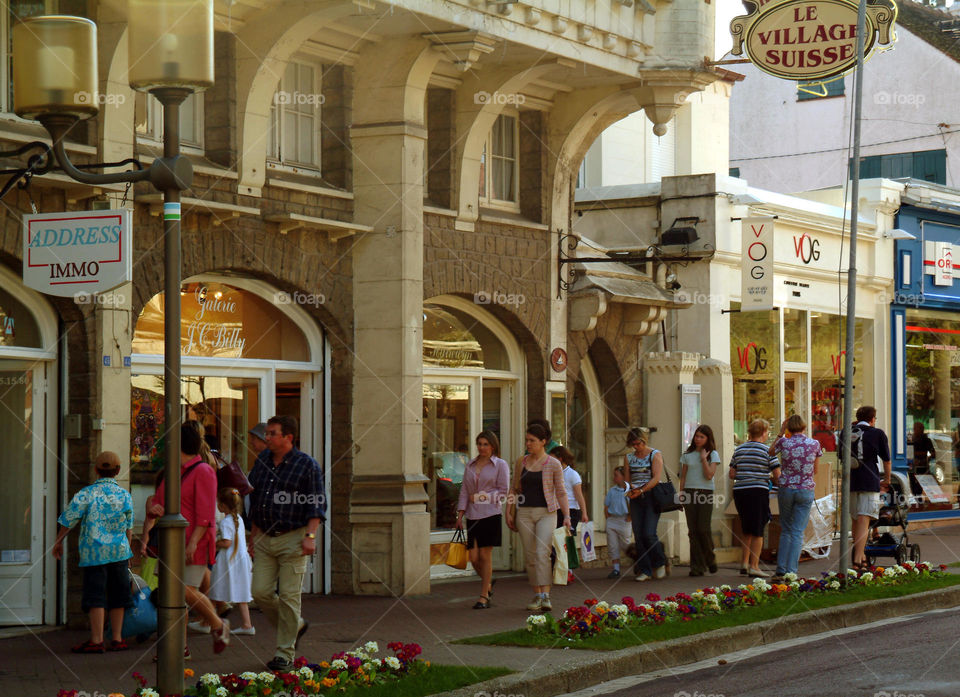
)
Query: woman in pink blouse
[{"x": 486, "y": 480}]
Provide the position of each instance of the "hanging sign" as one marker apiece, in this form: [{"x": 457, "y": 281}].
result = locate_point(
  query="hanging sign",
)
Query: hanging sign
[
  {"x": 77, "y": 253},
  {"x": 756, "y": 264},
  {"x": 809, "y": 40}
]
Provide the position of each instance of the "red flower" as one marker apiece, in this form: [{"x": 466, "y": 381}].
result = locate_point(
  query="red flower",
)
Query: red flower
[
  {"x": 140, "y": 679},
  {"x": 653, "y": 597},
  {"x": 590, "y": 602}
]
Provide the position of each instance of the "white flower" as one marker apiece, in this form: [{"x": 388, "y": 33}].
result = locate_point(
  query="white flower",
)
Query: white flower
[
  {"x": 833, "y": 585},
  {"x": 305, "y": 673},
  {"x": 534, "y": 621},
  {"x": 222, "y": 691},
  {"x": 367, "y": 667},
  {"x": 371, "y": 647},
  {"x": 851, "y": 573},
  {"x": 266, "y": 677},
  {"x": 603, "y": 605},
  {"x": 377, "y": 662},
  {"x": 725, "y": 587},
  {"x": 789, "y": 577},
  {"x": 339, "y": 664},
  {"x": 213, "y": 679},
  {"x": 889, "y": 572},
  {"x": 248, "y": 675},
  {"x": 621, "y": 610},
  {"x": 831, "y": 574},
  {"x": 867, "y": 576},
  {"x": 794, "y": 585},
  {"x": 696, "y": 595},
  {"x": 147, "y": 692},
  {"x": 392, "y": 662}
]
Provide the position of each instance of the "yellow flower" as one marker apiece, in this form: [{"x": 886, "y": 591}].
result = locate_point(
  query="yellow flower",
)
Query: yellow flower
[
  {"x": 329, "y": 682},
  {"x": 426, "y": 663},
  {"x": 188, "y": 672},
  {"x": 324, "y": 664},
  {"x": 115, "y": 694},
  {"x": 267, "y": 691}
]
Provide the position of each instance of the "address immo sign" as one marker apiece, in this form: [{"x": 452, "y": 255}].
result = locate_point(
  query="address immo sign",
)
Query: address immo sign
[{"x": 808, "y": 40}]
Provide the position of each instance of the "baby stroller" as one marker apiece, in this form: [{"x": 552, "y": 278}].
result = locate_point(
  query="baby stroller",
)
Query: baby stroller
[{"x": 894, "y": 505}]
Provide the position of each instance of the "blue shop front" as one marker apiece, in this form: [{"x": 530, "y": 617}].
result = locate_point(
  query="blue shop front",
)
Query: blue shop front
[{"x": 925, "y": 350}]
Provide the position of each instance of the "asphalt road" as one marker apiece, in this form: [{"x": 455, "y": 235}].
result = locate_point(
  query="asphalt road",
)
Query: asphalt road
[{"x": 913, "y": 657}]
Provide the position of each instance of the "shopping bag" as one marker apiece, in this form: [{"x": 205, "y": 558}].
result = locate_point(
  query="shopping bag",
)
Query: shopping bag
[
  {"x": 457, "y": 554},
  {"x": 148, "y": 571},
  {"x": 560, "y": 567},
  {"x": 665, "y": 496},
  {"x": 139, "y": 620},
  {"x": 573, "y": 559},
  {"x": 585, "y": 535}
]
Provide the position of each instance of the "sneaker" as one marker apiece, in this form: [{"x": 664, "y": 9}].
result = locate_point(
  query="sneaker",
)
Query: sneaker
[
  {"x": 660, "y": 572},
  {"x": 304, "y": 626},
  {"x": 614, "y": 574},
  {"x": 642, "y": 577},
  {"x": 280, "y": 664},
  {"x": 88, "y": 647},
  {"x": 116, "y": 645},
  {"x": 198, "y": 627},
  {"x": 758, "y": 573},
  {"x": 225, "y": 610},
  {"x": 536, "y": 604},
  {"x": 221, "y": 637},
  {"x": 245, "y": 631},
  {"x": 545, "y": 604}
]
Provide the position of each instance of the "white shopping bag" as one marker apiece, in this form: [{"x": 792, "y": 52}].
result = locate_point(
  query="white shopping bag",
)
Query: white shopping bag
[
  {"x": 585, "y": 538},
  {"x": 560, "y": 567}
]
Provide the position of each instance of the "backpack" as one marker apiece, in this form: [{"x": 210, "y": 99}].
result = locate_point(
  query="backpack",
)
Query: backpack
[{"x": 856, "y": 448}]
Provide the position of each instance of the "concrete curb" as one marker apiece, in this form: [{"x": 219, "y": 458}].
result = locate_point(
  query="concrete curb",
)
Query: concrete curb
[{"x": 583, "y": 672}]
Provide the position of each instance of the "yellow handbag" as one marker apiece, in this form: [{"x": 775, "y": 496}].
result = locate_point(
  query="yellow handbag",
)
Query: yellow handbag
[{"x": 457, "y": 554}]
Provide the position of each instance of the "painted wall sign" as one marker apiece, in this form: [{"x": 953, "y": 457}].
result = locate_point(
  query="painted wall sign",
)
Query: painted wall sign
[
  {"x": 756, "y": 264},
  {"x": 80, "y": 252},
  {"x": 808, "y": 40},
  {"x": 942, "y": 261}
]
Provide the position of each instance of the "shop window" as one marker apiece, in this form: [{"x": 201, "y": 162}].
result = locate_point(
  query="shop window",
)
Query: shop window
[
  {"x": 735, "y": 172},
  {"x": 447, "y": 440},
  {"x": 454, "y": 339},
  {"x": 498, "y": 163},
  {"x": 295, "y": 117},
  {"x": 820, "y": 90},
  {"x": 14, "y": 11},
  {"x": 795, "y": 335},
  {"x": 927, "y": 165},
  {"x": 220, "y": 321},
  {"x": 755, "y": 358},
  {"x": 933, "y": 400},
  {"x": 149, "y": 120},
  {"x": 18, "y": 327}
]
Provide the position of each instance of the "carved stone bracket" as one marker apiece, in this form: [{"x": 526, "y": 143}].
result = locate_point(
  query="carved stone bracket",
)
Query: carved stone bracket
[
  {"x": 463, "y": 48},
  {"x": 664, "y": 91}
]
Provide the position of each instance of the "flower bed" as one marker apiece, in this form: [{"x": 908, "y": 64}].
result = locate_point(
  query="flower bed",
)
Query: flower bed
[
  {"x": 598, "y": 617},
  {"x": 344, "y": 670}
]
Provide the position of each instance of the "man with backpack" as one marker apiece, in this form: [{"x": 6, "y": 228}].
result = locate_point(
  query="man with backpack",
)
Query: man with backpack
[{"x": 868, "y": 445}]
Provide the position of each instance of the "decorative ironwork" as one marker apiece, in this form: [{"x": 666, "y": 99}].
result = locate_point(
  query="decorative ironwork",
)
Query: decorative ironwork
[{"x": 566, "y": 277}]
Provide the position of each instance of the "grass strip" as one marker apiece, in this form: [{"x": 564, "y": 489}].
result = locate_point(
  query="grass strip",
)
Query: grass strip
[
  {"x": 644, "y": 634},
  {"x": 431, "y": 681}
]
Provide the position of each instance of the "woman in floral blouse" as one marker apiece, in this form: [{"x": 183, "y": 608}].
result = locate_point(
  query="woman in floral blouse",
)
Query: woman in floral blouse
[{"x": 799, "y": 458}]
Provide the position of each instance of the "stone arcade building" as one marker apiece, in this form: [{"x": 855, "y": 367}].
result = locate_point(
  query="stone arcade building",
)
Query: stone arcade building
[{"x": 370, "y": 244}]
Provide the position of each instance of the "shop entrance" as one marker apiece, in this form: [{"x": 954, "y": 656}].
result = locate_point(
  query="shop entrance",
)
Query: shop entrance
[{"x": 795, "y": 395}]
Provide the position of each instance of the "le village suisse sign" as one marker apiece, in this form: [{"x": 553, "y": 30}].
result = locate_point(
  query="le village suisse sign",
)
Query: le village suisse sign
[{"x": 809, "y": 40}]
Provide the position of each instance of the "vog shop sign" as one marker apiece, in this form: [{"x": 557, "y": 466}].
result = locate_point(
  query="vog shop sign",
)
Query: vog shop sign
[
  {"x": 809, "y": 40},
  {"x": 77, "y": 252},
  {"x": 756, "y": 264}
]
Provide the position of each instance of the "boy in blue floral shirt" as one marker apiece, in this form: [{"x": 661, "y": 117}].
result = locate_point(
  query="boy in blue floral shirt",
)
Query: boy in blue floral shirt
[{"x": 105, "y": 513}]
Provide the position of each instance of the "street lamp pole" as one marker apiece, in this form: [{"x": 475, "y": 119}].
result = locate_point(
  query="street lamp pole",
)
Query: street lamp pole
[{"x": 55, "y": 82}]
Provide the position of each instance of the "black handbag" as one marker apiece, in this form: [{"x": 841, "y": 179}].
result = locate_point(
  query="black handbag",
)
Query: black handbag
[{"x": 664, "y": 495}]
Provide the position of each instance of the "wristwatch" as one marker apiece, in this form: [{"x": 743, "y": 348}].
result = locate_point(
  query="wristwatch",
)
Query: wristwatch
[{"x": 311, "y": 536}]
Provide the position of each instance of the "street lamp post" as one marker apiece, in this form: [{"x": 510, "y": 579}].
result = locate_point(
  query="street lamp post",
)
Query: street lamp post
[{"x": 55, "y": 82}]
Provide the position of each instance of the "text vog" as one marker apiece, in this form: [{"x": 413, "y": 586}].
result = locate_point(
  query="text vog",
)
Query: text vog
[
  {"x": 756, "y": 264},
  {"x": 810, "y": 39},
  {"x": 78, "y": 252}
]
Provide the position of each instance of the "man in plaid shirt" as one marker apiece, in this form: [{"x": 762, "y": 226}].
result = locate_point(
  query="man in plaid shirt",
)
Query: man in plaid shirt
[{"x": 287, "y": 506}]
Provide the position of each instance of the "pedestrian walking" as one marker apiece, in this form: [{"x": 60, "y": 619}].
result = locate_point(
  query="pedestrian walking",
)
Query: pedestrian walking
[
  {"x": 616, "y": 508},
  {"x": 486, "y": 481},
  {"x": 230, "y": 578},
  {"x": 287, "y": 506},
  {"x": 870, "y": 447},
  {"x": 104, "y": 510},
  {"x": 799, "y": 459},
  {"x": 198, "y": 504},
  {"x": 537, "y": 492},
  {"x": 573, "y": 485},
  {"x": 698, "y": 465},
  {"x": 752, "y": 468},
  {"x": 645, "y": 465}
]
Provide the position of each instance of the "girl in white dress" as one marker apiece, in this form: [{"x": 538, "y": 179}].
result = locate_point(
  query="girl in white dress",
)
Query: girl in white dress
[{"x": 231, "y": 576}]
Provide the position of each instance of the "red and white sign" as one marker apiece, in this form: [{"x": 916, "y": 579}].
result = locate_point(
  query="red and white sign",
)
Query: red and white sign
[
  {"x": 940, "y": 262},
  {"x": 756, "y": 264},
  {"x": 79, "y": 252}
]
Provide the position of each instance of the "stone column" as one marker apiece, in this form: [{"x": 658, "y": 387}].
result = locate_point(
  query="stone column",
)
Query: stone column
[
  {"x": 716, "y": 381},
  {"x": 114, "y": 333},
  {"x": 390, "y": 524},
  {"x": 665, "y": 373}
]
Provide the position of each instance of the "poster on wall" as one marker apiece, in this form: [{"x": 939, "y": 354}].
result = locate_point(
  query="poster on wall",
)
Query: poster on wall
[
  {"x": 756, "y": 264},
  {"x": 689, "y": 412}
]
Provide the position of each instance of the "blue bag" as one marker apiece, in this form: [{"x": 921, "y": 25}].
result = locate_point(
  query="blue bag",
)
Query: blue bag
[{"x": 140, "y": 619}]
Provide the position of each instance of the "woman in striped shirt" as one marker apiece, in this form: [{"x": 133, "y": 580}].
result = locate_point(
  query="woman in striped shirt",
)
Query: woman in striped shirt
[
  {"x": 751, "y": 470},
  {"x": 645, "y": 465}
]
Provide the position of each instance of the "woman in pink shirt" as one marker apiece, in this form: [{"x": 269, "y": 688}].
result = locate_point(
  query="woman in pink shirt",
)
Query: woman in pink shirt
[{"x": 486, "y": 480}]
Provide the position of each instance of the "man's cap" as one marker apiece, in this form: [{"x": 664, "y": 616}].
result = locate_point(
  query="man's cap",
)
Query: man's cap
[
  {"x": 260, "y": 431},
  {"x": 107, "y": 460}
]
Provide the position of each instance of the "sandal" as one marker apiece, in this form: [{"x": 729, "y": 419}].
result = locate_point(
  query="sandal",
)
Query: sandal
[
  {"x": 493, "y": 582},
  {"x": 118, "y": 645},
  {"x": 88, "y": 647},
  {"x": 482, "y": 604}
]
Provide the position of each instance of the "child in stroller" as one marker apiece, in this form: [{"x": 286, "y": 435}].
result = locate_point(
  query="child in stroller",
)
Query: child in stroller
[{"x": 884, "y": 540}]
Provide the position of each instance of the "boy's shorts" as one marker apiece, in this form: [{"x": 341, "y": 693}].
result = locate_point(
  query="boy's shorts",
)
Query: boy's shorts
[
  {"x": 865, "y": 503},
  {"x": 106, "y": 586}
]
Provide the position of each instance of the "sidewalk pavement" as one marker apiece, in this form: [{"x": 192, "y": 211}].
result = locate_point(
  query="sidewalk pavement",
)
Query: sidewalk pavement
[{"x": 39, "y": 663}]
